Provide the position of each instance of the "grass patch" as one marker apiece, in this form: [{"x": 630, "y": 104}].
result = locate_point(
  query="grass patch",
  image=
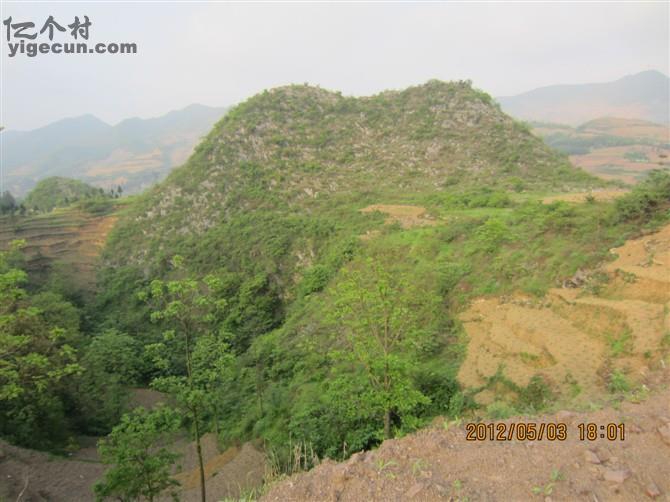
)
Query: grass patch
[
  {"x": 620, "y": 345},
  {"x": 618, "y": 382}
]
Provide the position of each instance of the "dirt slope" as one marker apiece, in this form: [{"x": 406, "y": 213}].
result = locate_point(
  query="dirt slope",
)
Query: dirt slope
[
  {"x": 68, "y": 237},
  {"x": 28, "y": 475},
  {"x": 439, "y": 464},
  {"x": 576, "y": 338},
  {"x": 228, "y": 474},
  {"x": 49, "y": 478}
]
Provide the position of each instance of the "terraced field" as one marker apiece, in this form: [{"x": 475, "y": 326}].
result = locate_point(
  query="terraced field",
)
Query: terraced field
[
  {"x": 69, "y": 238},
  {"x": 578, "y": 338}
]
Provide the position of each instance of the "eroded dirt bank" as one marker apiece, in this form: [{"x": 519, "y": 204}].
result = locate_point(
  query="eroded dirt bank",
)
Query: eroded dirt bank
[{"x": 439, "y": 464}]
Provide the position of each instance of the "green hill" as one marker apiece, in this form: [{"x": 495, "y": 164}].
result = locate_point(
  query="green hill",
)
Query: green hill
[
  {"x": 301, "y": 150},
  {"x": 59, "y": 192}
]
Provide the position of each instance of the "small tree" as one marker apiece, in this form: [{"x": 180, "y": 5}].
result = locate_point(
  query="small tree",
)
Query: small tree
[
  {"x": 7, "y": 203},
  {"x": 141, "y": 468},
  {"x": 384, "y": 336},
  {"x": 191, "y": 308},
  {"x": 212, "y": 365}
]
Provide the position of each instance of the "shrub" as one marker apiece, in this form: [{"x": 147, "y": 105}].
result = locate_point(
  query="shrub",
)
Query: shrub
[
  {"x": 650, "y": 195},
  {"x": 618, "y": 382},
  {"x": 500, "y": 410},
  {"x": 537, "y": 394}
]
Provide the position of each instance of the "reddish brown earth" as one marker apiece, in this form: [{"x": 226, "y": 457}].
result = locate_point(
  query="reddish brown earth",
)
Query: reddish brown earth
[
  {"x": 439, "y": 464},
  {"x": 53, "y": 478},
  {"x": 228, "y": 474},
  {"x": 67, "y": 237}
]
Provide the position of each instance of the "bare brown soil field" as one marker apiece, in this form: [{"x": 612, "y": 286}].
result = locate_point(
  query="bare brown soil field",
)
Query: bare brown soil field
[
  {"x": 29, "y": 475},
  {"x": 628, "y": 163},
  {"x": 406, "y": 216},
  {"x": 574, "y": 337},
  {"x": 627, "y": 128},
  {"x": 611, "y": 163}
]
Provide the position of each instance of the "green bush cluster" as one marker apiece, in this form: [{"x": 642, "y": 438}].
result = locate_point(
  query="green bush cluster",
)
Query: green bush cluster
[
  {"x": 648, "y": 198},
  {"x": 56, "y": 191}
]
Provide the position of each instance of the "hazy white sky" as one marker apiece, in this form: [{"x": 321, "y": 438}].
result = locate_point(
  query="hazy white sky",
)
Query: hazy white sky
[{"x": 221, "y": 53}]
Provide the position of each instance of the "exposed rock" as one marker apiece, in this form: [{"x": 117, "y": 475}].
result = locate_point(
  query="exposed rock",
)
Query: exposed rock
[
  {"x": 616, "y": 476},
  {"x": 652, "y": 490},
  {"x": 665, "y": 433},
  {"x": 576, "y": 280},
  {"x": 414, "y": 491},
  {"x": 591, "y": 457}
]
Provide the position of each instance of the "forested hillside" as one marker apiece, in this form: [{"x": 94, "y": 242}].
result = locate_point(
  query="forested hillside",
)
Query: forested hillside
[
  {"x": 270, "y": 203},
  {"x": 300, "y": 282}
]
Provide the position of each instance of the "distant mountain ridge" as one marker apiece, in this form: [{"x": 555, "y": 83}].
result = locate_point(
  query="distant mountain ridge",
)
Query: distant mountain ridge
[
  {"x": 644, "y": 96},
  {"x": 134, "y": 153}
]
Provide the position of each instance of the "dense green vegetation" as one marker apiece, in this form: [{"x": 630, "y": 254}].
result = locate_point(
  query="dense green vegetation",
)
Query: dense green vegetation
[
  {"x": 252, "y": 290},
  {"x": 312, "y": 371},
  {"x": 55, "y": 192},
  {"x": 141, "y": 464},
  {"x": 8, "y": 204},
  {"x": 52, "y": 382},
  {"x": 269, "y": 205}
]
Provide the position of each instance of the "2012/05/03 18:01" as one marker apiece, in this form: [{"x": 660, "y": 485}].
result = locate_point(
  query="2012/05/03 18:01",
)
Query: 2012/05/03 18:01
[{"x": 531, "y": 431}]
